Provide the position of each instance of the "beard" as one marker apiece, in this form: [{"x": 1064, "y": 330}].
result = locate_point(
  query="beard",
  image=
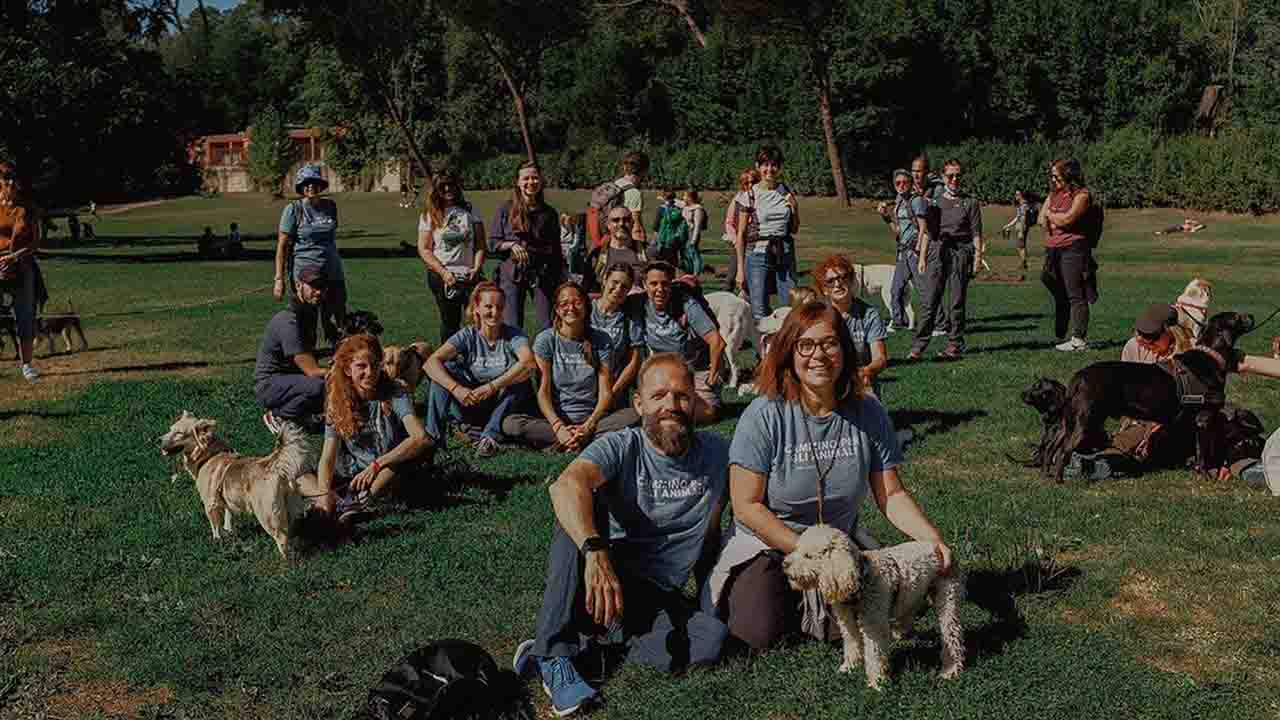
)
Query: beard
[{"x": 673, "y": 442}]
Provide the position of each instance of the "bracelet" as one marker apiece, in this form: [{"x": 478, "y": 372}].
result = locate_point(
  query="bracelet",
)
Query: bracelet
[{"x": 376, "y": 467}]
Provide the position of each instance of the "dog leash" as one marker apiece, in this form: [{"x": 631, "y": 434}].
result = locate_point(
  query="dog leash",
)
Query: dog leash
[{"x": 1264, "y": 322}]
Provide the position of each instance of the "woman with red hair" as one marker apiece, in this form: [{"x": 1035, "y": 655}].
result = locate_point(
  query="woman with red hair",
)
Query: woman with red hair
[
  {"x": 478, "y": 375},
  {"x": 372, "y": 438},
  {"x": 812, "y": 416},
  {"x": 840, "y": 286}
]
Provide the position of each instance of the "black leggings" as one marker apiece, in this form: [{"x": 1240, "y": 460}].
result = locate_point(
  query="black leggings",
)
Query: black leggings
[{"x": 1067, "y": 274}]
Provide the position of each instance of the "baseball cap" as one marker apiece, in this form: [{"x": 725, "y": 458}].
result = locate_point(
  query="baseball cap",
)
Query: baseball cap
[
  {"x": 1155, "y": 319},
  {"x": 314, "y": 277}
]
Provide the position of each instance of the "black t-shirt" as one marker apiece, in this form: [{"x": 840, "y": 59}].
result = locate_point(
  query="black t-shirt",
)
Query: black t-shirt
[
  {"x": 959, "y": 219},
  {"x": 283, "y": 339}
]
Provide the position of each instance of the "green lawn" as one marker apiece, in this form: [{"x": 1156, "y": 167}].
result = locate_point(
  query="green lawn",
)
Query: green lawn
[{"x": 1150, "y": 597}]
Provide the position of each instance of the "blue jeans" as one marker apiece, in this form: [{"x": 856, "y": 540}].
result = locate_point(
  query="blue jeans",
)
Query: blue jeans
[
  {"x": 443, "y": 408},
  {"x": 904, "y": 278},
  {"x": 760, "y": 266}
]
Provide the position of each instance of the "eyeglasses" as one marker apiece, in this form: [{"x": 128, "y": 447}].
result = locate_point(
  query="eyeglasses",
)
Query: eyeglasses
[
  {"x": 843, "y": 279},
  {"x": 620, "y": 220},
  {"x": 829, "y": 344},
  {"x": 1055, "y": 177},
  {"x": 952, "y": 176},
  {"x": 571, "y": 304}
]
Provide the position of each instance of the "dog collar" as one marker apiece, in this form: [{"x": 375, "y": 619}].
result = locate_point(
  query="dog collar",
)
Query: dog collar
[{"x": 1217, "y": 357}]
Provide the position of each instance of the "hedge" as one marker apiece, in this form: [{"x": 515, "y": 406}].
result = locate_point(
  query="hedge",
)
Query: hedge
[{"x": 1130, "y": 168}]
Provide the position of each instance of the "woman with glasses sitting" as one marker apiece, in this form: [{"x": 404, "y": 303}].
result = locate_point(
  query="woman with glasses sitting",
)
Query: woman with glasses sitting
[
  {"x": 837, "y": 283},
  {"x": 575, "y": 389},
  {"x": 811, "y": 418}
]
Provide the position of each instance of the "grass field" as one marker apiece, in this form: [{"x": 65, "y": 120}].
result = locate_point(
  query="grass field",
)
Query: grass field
[{"x": 1154, "y": 597}]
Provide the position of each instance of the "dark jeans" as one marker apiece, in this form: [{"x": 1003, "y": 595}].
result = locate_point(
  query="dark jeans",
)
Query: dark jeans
[
  {"x": 539, "y": 278},
  {"x": 450, "y": 309},
  {"x": 904, "y": 278},
  {"x": 1066, "y": 275},
  {"x": 951, "y": 269},
  {"x": 659, "y": 627},
  {"x": 443, "y": 408},
  {"x": 291, "y": 397},
  {"x": 758, "y": 603},
  {"x": 535, "y": 431}
]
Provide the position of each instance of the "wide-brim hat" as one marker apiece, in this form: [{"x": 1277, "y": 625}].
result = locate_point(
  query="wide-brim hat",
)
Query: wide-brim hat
[{"x": 309, "y": 174}]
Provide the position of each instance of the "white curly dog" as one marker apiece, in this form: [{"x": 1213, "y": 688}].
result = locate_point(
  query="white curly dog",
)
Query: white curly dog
[{"x": 875, "y": 596}]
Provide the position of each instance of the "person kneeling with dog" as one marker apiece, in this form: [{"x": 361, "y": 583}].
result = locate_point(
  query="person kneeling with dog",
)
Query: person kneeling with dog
[
  {"x": 287, "y": 381},
  {"x": 478, "y": 375},
  {"x": 637, "y": 513},
  {"x": 372, "y": 438},
  {"x": 575, "y": 391}
]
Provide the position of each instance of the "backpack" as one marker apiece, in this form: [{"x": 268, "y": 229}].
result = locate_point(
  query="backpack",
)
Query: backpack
[
  {"x": 673, "y": 234},
  {"x": 1091, "y": 227},
  {"x": 447, "y": 680},
  {"x": 604, "y": 198}
]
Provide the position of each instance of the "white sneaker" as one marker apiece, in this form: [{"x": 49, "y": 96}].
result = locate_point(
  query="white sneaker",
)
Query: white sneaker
[
  {"x": 30, "y": 373},
  {"x": 1075, "y": 344},
  {"x": 939, "y": 333}
]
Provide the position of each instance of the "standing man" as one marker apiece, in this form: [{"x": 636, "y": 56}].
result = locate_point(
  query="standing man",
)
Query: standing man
[
  {"x": 679, "y": 324},
  {"x": 908, "y": 224},
  {"x": 637, "y": 514},
  {"x": 951, "y": 260},
  {"x": 930, "y": 188},
  {"x": 287, "y": 381},
  {"x": 635, "y": 166}
]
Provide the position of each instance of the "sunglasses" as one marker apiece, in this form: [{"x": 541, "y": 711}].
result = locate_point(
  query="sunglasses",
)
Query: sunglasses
[{"x": 952, "y": 176}]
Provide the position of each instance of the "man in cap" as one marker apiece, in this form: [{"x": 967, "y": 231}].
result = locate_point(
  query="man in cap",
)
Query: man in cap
[
  {"x": 1151, "y": 341},
  {"x": 287, "y": 381}
]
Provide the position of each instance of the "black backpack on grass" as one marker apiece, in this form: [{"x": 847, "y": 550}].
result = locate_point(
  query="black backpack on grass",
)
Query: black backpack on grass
[{"x": 448, "y": 680}]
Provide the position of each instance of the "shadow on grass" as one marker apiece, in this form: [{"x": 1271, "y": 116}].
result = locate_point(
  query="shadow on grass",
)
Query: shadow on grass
[
  {"x": 933, "y": 422},
  {"x": 1012, "y": 316},
  {"x": 47, "y": 414},
  {"x": 159, "y": 366},
  {"x": 997, "y": 592},
  {"x": 981, "y": 328},
  {"x": 1042, "y": 345},
  {"x": 248, "y": 254}
]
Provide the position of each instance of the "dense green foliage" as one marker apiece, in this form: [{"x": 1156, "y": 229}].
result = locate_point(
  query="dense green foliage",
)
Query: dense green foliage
[{"x": 271, "y": 153}]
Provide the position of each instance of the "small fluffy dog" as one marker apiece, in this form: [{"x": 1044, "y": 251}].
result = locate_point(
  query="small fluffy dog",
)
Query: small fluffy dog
[
  {"x": 63, "y": 324},
  {"x": 733, "y": 314},
  {"x": 407, "y": 365},
  {"x": 878, "y": 279},
  {"x": 875, "y": 596},
  {"x": 361, "y": 322},
  {"x": 274, "y": 488},
  {"x": 1193, "y": 310}
]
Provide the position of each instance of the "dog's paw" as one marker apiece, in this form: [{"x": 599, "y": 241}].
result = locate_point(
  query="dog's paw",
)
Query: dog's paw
[
  {"x": 849, "y": 665},
  {"x": 952, "y": 672}
]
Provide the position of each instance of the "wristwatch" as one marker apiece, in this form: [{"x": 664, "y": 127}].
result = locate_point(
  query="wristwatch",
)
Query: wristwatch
[{"x": 594, "y": 543}]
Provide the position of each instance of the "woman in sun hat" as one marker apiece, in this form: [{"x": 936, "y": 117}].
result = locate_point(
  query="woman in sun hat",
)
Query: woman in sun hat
[{"x": 308, "y": 239}]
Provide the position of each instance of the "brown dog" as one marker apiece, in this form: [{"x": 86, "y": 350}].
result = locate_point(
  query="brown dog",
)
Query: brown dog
[
  {"x": 64, "y": 324},
  {"x": 274, "y": 488},
  {"x": 407, "y": 365}
]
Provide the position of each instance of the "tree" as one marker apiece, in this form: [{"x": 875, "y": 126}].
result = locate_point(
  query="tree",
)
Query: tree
[
  {"x": 271, "y": 151},
  {"x": 517, "y": 34},
  {"x": 680, "y": 7}
]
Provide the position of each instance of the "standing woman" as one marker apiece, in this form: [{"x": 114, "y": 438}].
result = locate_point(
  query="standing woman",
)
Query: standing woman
[
  {"x": 526, "y": 232},
  {"x": 838, "y": 284},
  {"x": 575, "y": 391},
  {"x": 308, "y": 239},
  {"x": 773, "y": 254},
  {"x": 478, "y": 375},
  {"x": 1068, "y": 259},
  {"x": 811, "y": 418},
  {"x": 19, "y": 274},
  {"x": 450, "y": 243}
]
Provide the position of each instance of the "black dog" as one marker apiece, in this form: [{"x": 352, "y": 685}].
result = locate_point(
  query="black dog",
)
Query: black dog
[
  {"x": 1048, "y": 397},
  {"x": 1187, "y": 392},
  {"x": 361, "y": 322}
]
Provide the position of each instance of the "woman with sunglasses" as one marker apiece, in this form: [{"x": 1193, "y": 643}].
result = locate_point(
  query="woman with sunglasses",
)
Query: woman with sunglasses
[
  {"x": 812, "y": 417},
  {"x": 575, "y": 392},
  {"x": 19, "y": 274},
  {"x": 1068, "y": 259},
  {"x": 451, "y": 245},
  {"x": 837, "y": 283}
]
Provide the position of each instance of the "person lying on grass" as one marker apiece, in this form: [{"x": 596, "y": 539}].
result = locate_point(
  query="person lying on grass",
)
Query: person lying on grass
[
  {"x": 478, "y": 375},
  {"x": 637, "y": 514},
  {"x": 372, "y": 438},
  {"x": 1188, "y": 225},
  {"x": 575, "y": 390}
]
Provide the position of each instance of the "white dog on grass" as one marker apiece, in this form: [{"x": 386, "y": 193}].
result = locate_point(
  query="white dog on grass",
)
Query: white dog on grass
[{"x": 875, "y": 596}]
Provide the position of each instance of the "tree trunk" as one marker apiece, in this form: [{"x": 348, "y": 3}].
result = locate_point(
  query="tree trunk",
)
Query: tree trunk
[
  {"x": 204, "y": 19},
  {"x": 517, "y": 98},
  {"x": 409, "y": 142},
  {"x": 682, "y": 7},
  {"x": 822, "y": 82}
]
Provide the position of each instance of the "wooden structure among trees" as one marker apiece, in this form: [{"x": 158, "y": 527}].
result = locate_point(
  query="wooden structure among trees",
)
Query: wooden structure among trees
[{"x": 224, "y": 161}]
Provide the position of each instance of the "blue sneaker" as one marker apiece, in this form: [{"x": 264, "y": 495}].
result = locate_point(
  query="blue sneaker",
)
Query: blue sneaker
[
  {"x": 567, "y": 690},
  {"x": 520, "y": 661}
]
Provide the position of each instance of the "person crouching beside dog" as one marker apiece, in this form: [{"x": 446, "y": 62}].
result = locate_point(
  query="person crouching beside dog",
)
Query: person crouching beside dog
[
  {"x": 813, "y": 433},
  {"x": 478, "y": 375},
  {"x": 575, "y": 388},
  {"x": 287, "y": 381},
  {"x": 871, "y": 355},
  {"x": 372, "y": 438},
  {"x": 637, "y": 514}
]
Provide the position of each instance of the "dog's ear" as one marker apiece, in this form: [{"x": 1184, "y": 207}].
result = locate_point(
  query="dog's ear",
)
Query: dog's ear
[
  {"x": 203, "y": 430},
  {"x": 838, "y": 579}
]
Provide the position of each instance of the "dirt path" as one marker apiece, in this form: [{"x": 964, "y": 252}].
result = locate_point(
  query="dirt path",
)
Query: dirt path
[{"x": 117, "y": 209}]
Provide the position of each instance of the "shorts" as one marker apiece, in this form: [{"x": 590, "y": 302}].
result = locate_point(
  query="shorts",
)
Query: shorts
[{"x": 705, "y": 389}]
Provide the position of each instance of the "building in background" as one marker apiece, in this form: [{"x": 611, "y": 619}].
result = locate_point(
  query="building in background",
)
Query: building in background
[{"x": 224, "y": 163}]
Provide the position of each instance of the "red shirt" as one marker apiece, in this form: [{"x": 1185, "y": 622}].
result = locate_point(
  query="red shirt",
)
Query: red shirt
[
  {"x": 1063, "y": 236},
  {"x": 16, "y": 231}
]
